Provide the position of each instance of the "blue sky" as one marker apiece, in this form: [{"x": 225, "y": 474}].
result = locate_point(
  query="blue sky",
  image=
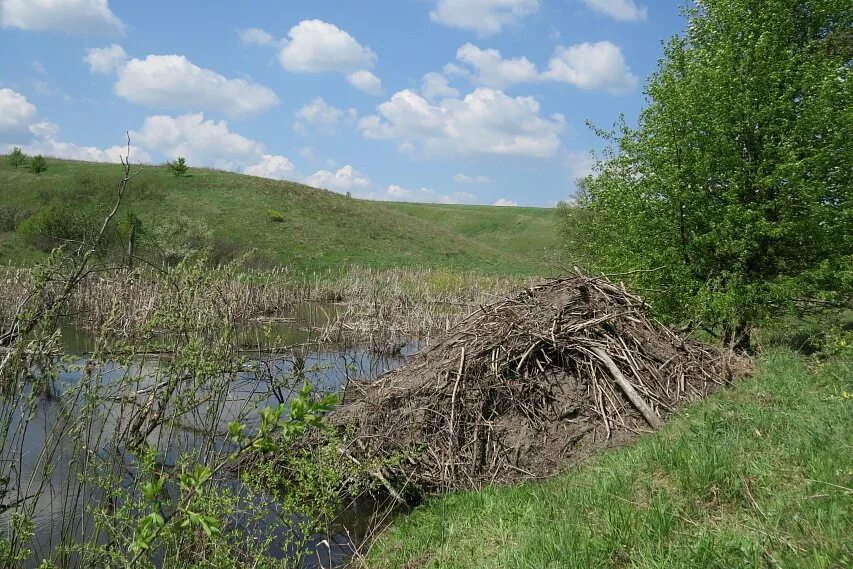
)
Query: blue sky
[{"x": 464, "y": 101}]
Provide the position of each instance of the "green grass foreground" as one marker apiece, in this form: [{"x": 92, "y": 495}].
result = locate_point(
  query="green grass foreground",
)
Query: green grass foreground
[
  {"x": 295, "y": 225},
  {"x": 758, "y": 475}
]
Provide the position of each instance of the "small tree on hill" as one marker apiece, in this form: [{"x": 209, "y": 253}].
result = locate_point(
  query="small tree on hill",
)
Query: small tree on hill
[
  {"x": 178, "y": 167},
  {"x": 38, "y": 164},
  {"x": 17, "y": 157}
]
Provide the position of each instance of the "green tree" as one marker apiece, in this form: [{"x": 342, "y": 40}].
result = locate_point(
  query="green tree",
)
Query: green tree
[
  {"x": 38, "y": 164},
  {"x": 17, "y": 157},
  {"x": 178, "y": 167},
  {"x": 730, "y": 201}
]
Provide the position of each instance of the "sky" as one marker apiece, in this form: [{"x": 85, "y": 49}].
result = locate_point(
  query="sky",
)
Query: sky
[{"x": 449, "y": 101}]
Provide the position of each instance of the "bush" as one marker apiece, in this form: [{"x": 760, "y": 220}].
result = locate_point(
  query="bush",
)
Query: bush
[
  {"x": 38, "y": 164},
  {"x": 17, "y": 158},
  {"x": 61, "y": 224},
  {"x": 11, "y": 216},
  {"x": 178, "y": 167},
  {"x": 275, "y": 216},
  {"x": 181, "y": 238}
]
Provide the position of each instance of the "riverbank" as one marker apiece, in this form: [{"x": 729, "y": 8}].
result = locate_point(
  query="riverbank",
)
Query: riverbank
[{"x": 756, "y": 475}]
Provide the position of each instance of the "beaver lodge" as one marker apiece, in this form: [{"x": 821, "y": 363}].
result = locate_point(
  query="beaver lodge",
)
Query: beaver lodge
[{"x": 526, "y": 385}]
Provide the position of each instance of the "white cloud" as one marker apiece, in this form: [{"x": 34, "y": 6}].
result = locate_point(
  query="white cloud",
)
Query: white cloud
[
  {"x": 503, "y": 202},
  {"x": 492, "y": 70},
  {"x": 256, "y": 36},
  {"x": 465, "y": 179},
  {"x": 365, "y": 81},
  {"x": 271, "y": 166},
  {"x": 173, "y": 82},
  {"x": 71, "y": 16},
  {"x": 486, "y": 121},
  {"x": 346, "y": 179},
  {"x": 202, "y": 142},
  {"x": 482, "y": 16},
  {"x": 622, "y": 10},
  {"x": 594, "y": 66},
  {"x": 318, "y": 111},
  {"x": 16, "y": 115},
  {"x": 316, "y": 46},
  {"x": 423, "y": 195},
  {"x": 436, "y": 86},
  {"x": 19, "y": 126},
  {"x": 580, "y": 164},
  {"x": 105, "y": 59}
]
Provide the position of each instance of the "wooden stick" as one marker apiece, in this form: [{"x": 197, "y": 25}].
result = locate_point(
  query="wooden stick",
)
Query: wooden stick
[{"x": 651, "y": 417}]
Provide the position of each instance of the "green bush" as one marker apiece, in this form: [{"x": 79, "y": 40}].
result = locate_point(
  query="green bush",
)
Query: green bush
[
  {"x": 11, "y": 216},
  {"x": 275, "y": 216},
  {"x": 64, "y": 224},
  {"x": 38, "y": 164},
  {"x": 17, "y": 157},
  {"x": 180, "y": 238},
  {"x": 178, "y": 167}
]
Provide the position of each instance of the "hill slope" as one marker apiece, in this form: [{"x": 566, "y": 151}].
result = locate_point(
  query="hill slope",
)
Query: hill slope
[{"x": 320, "y": 230}]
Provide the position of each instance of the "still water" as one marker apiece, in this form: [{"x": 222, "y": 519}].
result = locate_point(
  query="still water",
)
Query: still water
[{"x": 60, "y": 509}]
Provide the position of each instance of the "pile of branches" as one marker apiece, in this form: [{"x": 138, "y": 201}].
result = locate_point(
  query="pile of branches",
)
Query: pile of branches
[{"x": 524, "y": 385}]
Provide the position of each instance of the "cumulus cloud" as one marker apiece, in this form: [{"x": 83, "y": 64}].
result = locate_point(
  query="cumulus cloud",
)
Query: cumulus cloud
[
  {"x": 621, "y": 10},
  {"x": 200, "y": 141},
  {"x": 580, "y": 164},
  {"x": 486, "y": 121},
  {"x": 492, "y": 70},
  {"x": 424, "y": 195},
  {"x": 16, "y": 116},
  {"x": 482, "y": 16},
  {"x": 594, "y": 66},
  {"x": 271, "y": 166},
  {"x": 173, "y": 82},
  {"x": 105, "y": 60},
  {"x": 321, "y": 117},
  {"x": 465, "y": 179},
  {"x": 346, "y": 179},
  {"x": 436, "y": 86},
  {"x": 81, "y": 17},
  {"x": 366, "y": 82},
  {"x": 20, "y": 126},
  {"x": 503, "y": 202},
  {"x": 256, "y": 36},
  {"x": 315, "y": 46}
]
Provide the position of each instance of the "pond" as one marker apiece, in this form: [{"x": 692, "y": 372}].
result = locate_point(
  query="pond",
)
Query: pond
[{"x": 62, "y": 505}]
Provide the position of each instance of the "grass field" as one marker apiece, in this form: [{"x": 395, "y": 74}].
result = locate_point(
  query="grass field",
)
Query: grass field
[
  {"x": 320, "y": 229},
  {"x": 758, "y": 475}
]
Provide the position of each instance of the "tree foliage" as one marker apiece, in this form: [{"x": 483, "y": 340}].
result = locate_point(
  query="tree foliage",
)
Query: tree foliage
[
  {"x": 17, "y": 157},
  {"x": 178, "y": 167},
  {"x": 38, "y": 164},
  {"x": 730, "y": 201}
]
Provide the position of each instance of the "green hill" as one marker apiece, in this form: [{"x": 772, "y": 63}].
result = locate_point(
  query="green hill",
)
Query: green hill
[{"x": 317, "y": 229}]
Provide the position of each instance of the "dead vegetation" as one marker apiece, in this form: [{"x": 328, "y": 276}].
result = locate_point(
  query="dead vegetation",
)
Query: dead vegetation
[{"x": 524, "y": 385}]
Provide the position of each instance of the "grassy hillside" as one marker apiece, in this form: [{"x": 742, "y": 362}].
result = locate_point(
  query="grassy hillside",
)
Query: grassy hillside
[
  {"x": 320, "y": 229},
  {"x": 758, "y": 475}
]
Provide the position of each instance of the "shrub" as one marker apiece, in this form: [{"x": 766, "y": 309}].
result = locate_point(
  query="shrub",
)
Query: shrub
[
  {"x": 38, "y": 164},
  {"x": 181, "y": 238},
  {"x": 178, "y": 167},
  {"x": 11, "y": 217},
  {"x": 275, "y": 216},
  {"x": 60, "y": 224},
  {"x": 17, "y": 157}
]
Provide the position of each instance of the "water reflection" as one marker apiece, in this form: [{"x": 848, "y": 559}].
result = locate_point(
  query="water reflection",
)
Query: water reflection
[{"x": 280, "y": 351}]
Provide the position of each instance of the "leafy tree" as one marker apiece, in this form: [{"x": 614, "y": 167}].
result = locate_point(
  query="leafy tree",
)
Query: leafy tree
[
  {"x": 38, "y": 164},
  {"x": 17, "y": 157},
  {"x": 731, "y": 200},
  {"x": 178, "y": 167}
]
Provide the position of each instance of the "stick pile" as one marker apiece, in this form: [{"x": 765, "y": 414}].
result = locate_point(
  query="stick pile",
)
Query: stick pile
[{"x": 523, "y": 385}]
